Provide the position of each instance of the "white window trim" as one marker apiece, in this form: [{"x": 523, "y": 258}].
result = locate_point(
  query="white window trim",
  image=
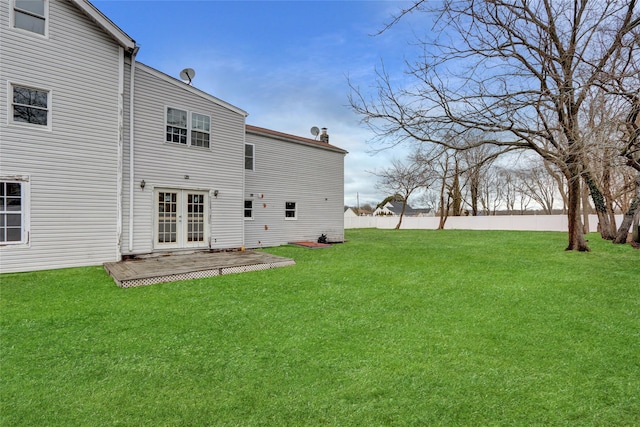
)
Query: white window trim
[
  {"x": 295, "y": 211},
  {"x": 10, "y": 121},
  {"x": 253, "y": 158},
  {"x": 247, "y": 218},
  {"x": 26, "y": 210},
  {"x": 22, "y": 30},
  {"x": 189, "y": 128}
]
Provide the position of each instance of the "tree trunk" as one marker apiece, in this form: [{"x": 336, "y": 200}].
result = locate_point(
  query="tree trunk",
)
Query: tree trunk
[
  {"x": 576, "y": 237},
  {"x": 404, "y": 206},
  {"x": 444, "y": 211},
  {"x": 586, "y": 208},
  {"x": 456, "y": 194},
  {"x": 608, "y": 199},
  {"x": 606, "y": 231},
  {"x": 474, "y": 196},
  {"x": 627, "y": 221}
]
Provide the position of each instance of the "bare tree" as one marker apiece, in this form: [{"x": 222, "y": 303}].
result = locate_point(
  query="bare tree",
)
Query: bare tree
[
  {"x": 599, "y": 127},
  {"x": 518, "y": 72},
  {"x": 525, "y": 200},
  {"x": 403, "y": 179},
  {"x": 429, "y": 198},
  {"x": 535, "y": 182},
  {"x": 491, "y": 191},
  {"x": 443, "y": 166},
  {"x": 613, "y": 169},
  {"x": 509, "y": 188},
  {"x": 476, "y": 163},
  {"x": 628, "y": 66}
]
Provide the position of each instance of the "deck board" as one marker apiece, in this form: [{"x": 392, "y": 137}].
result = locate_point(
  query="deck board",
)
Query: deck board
[{"x": 168, "y": 268}]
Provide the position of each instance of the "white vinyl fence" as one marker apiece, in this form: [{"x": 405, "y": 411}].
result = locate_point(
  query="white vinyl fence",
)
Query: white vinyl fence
[{"x": 502, "y": 222}]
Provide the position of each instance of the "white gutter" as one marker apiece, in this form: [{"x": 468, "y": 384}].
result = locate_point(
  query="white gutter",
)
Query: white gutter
[{"x": 131, "y": 146}]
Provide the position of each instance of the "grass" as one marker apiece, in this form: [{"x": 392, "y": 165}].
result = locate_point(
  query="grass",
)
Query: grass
[{"x": 393, "y": 328}]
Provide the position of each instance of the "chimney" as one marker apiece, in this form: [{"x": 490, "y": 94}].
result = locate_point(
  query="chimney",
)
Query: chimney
[{"x": 324, "y": 136}]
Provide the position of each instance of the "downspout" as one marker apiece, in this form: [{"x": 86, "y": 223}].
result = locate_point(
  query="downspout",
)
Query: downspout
[
  {"x": 120, "y": 149},
  {"x": 244, "y": 179},
  {"x": 131, "y": 145}
]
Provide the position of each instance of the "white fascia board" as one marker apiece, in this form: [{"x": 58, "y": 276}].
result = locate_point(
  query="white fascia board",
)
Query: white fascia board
[
  {"x": 272, "y": 134},
  {"x": 167, "y": 78},
  {"x": 112, "y": 29}
]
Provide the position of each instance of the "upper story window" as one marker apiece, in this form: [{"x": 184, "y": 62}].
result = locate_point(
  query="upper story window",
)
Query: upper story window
[
  {"x": 200, "y": 130},
  {"x": 290, "y": 210},
  {"x": 30, "y": 105},
  {"x": 13, "y": 212},
  {"x": 249, "y": 157},
  {"x": 176, "y": 126},
  {"x": 195, "y": 132},
  {"x": 30, "y": 15}
]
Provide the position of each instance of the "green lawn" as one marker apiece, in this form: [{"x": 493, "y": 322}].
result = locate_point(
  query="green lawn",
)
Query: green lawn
[{"x": 398, "y": 328}]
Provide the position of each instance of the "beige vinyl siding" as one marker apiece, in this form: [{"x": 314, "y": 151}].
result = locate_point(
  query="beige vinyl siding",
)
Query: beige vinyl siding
[
  {"x": 310, "y": 176},
  {"x": 73, "y": 167},
  {"x": 164, "y": 165}
]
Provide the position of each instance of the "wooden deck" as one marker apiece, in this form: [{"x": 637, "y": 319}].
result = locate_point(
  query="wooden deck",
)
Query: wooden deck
[{"x": 173, "y": 267}]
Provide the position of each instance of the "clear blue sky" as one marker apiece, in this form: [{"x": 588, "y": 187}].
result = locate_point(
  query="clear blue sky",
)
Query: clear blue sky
[{"x": 284, "y": 62}]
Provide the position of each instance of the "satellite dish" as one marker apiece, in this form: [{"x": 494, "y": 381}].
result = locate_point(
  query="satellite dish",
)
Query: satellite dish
[
  {"x": 315, "y": 131},
  {"x": 187, "y": 75}
]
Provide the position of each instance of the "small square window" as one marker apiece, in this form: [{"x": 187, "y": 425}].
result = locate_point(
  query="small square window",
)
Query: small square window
[
  {"x": 248, "y": 209},
  {"x": 199, "y": 139},
  {"x": 30, "y": 105},
  {"x": 290, "y": 210}
]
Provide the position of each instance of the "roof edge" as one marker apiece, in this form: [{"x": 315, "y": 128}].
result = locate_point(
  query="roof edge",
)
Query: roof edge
[
  {"x": 101, "y": 19},
  {"x": 167, "y": 78},
  {"x": 255, "y": 130}
]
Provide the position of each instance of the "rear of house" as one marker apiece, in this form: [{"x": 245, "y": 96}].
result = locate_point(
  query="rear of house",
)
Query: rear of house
[
  {"x": 294, "y": 189},
  {"x": 103, "y": 157},
  {"x": 183, "y": 167},
  {"x": 61, "y": 98}
]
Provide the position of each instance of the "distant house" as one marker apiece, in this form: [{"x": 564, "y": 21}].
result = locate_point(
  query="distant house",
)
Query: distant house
[
  {"x": 394, "y": 208},
  {"x": 355, "y": 212},
  {"x": 103, "y": 157},
  {"x": 350, "y": 213}
]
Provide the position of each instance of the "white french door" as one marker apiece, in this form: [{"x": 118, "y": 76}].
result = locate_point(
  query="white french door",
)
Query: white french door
[{"x": 181, "y": 219}]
